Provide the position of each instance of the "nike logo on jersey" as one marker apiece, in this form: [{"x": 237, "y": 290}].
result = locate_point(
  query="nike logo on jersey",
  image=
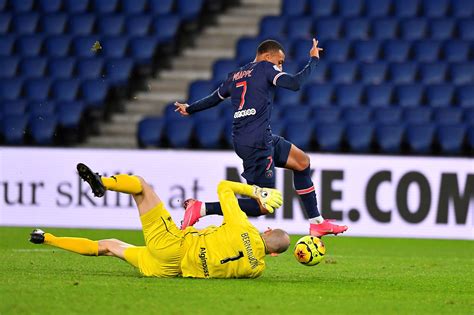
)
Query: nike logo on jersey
[{"x": 245, "y": 112}]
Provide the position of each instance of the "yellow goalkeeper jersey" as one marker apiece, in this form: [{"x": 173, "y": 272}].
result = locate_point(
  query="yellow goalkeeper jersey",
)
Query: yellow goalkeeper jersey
[{"x": 233, "y": 250}]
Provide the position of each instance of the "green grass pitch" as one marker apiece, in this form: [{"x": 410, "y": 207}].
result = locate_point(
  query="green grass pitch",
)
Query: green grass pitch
[{"x": 358, "y": 276}]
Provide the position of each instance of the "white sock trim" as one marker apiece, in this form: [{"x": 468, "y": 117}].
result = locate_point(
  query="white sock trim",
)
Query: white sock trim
[{"x": 316, "y": 220}]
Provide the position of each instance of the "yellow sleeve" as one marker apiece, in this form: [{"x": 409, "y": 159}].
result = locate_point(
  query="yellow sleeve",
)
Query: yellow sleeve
[{"x": 226, "y": 191}]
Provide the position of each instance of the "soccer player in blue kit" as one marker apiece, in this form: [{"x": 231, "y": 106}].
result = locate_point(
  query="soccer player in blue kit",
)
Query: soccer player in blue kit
[{"x": 251, "y": 89}]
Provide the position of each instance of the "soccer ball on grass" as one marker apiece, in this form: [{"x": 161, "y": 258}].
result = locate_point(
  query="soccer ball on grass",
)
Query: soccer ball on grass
[{"x": 309, "y": 250}]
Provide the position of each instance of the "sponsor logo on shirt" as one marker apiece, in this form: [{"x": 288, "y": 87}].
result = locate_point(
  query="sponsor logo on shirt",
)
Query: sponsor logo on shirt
[
  {"x": 203, "y": 258},
  {"x": 248, "y": 248},
  {"x": 245, "y": 112},
  {"x": 242, "y": 74}
]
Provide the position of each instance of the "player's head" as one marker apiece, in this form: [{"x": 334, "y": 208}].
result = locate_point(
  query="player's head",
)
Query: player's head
[
  {"x": 271, "y": 51},
  {"x": 276, "y": 241}
]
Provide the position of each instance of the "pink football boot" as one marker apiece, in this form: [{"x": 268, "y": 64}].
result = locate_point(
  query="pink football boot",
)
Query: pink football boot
[
  {"x": 326, "y": 227},
  {"x": 192, "y": 212}
]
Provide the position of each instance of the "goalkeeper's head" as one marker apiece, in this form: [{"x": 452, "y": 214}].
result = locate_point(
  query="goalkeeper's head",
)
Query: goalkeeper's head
[{"x": 276, "y": 241}]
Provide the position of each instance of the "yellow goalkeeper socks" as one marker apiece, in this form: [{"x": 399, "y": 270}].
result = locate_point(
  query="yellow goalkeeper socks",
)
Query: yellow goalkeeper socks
[
  {"x": 78, "y": 245},
  {"x": 128, "y": 184}
]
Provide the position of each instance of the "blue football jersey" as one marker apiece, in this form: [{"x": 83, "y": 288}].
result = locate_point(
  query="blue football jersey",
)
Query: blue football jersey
[{"x": 251, "y": 89}]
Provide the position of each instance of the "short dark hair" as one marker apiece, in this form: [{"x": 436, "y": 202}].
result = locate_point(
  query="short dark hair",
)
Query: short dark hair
[{"x": 269, "y": 45}]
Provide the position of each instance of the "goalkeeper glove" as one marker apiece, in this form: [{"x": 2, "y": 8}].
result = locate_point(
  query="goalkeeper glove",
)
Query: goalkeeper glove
[{"x": 268, "y": 199}]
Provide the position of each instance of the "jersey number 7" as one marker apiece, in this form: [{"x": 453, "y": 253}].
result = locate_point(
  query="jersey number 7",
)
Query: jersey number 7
[{"x": 242, "y": 96}]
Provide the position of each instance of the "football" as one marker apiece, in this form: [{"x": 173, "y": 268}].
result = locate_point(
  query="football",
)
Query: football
[{"x": 309, "y": 250}]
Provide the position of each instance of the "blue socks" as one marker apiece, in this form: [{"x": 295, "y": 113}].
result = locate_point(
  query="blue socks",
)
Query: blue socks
[
  {"x": 249, "y": 206},
  {"x": 305, "y": 189}
]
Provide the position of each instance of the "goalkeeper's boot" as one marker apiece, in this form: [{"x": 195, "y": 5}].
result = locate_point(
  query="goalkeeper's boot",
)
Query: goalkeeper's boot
[
  {"x": 37, "y": 236},
  {"x": 192, "y": 212},
  {"x": 325, "y": 228},
  {"x": 93, "y": 179}
]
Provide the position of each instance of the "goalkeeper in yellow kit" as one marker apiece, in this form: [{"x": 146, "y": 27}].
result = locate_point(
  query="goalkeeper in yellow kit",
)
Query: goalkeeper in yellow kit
[{"x": 235, "y": 249}]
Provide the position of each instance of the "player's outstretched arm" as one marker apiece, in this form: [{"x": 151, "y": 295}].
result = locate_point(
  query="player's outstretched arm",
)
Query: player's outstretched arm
[{"x": 209, "y": 101}]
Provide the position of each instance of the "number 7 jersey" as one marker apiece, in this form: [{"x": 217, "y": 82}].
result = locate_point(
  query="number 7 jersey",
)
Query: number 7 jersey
[{"x": 251, "y": 89}]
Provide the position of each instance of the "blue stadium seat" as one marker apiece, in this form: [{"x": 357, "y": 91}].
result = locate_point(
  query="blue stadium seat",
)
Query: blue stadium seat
[
  {"x": 189, "y": 10},
  {"x": 60, "y": 68},
  {"x": 377, "y": 8},
  {"x": 287, "y": 97},
  {"x": 318, "y": 76},
  {"x": 389, "y": 115},
  {"x": 456, "y": 51},
  {"x": 349, "y": 94},
  {"x": 384, "y": 28},
  {"x": 160, "y": 6},
  {"x": 114, "y": 46},
  {"x": 420, "y": 138},
  {"x": 417, "y": 115},
  {"x": 402, "y": 73},
  {"x": 296, "y": 114},
  {"x": 25, "y": 23},
  {"x": 358, "y": 115},
  {"x": 451, "y": 138},
  {"x": 396, "y": 50},
  {"x": 14, "y": 129},
  {"x": 276, "y": 113},
  {"x": 53, "y": 24},
  {"x": 118, "y": 71},
  {"x": 461, "y": 73},
  {"x": 22, "y": 5},
  {"x": 50, "y": 6},
  {"x": 322, "y": 8},
  {"x": 300, "y": 49},
  {"x": 82, "y": 24},
  {"x": 142, "y": 49},
  {"x": 209, "y": 133},
  {"x": 65, "y": 90},
  {"x": 319, "y": 95},
  {"x": 199, "y": 89},
  {"x": 406, "y": 8},
  {"x": 5, "y": 19},
  {"x": 329, "y": 136},
  {"x": 43, "y": 129},
  {"x": 448, "y": 115},
  {"x": 293, "y": 67},
  {"x": 222, "y": 68},
  {"x": 13, "y": 107},
  {"x": 165, "y": 28},
  {"x": 413, "y": 28},
  {"x": 112, "y": 24},
  {"x": 328, "y": 28},
  {"x": 278, "y": 127},
  {"x": 33, "y": 67},
  {"x": 462, "y": 8},
  {"x": 356, "y": 29},
  {"x": 349, "y": 8},
  {"x": 3, "y": 5},
  {"x": 436, "y": 8},
  {"x": 37, "y": 89},
  {"x": 466, "y": 29},
  {"x": 431, "y": 73},
  {"x": 213, "y": 113},
  {"x": 441, "y": 28},
  {"x": 178, "y": 132},
  {"x": 10, "y": 89},
  {"x": 336, "y": 50},
  {"x": 8, "y": 66},
  {"x": 169, "y": 112},
  {"x": 299, "y": 134},
  {"x": 94, "y": 92},
  {"x": 41, "y": 108},
  {"x": 409, "y": 95},
  {"x": 300, "y": 27},
  {"x": 427, "y": 50},
  {"x": 470, "y": 138},
  {"x": 344, "y": 72},
  {"x": 367, "y": 51},
  {"x": 440, "y": 95},
  {"x": 465, "y": 95},
  {"x": 326, "y": 115},
  {"x": 150, "y": 131},
  {"x": 57, "y": 45},
  {"x": 389, "y": 138},
  {"x": 373, "y": 73},
  {"x": 70, "y": 114},
  {"x": 379, "y": 95},
  {"x": 272, "y": 26},
  {"x": 102, "y": 7},
  {"x": 133, "y": 6},
  {"x": 359, "y": 137},
  {"x": 469, "y": 116},
  {"x": 76, "y": 6},
  {"x": 293, "y": 7},
  {"x": 29, "y": 45},
  {"x": 246, "y": 47},
  {"x": 82, "y": 45},
  {"x": 89, "y": 68},
  {"x": 138, "y": 25}
]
